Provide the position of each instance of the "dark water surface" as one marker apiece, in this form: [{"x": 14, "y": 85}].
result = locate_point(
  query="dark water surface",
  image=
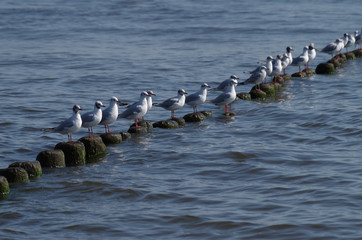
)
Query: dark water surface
[{"x": 280, "y": 169}]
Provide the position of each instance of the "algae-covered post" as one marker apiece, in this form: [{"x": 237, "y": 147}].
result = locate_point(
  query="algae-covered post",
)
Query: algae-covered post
[
  {"x": 94, "y": 148},
  {"x": 51, "y": 158},
  {"x": 15, "y": 174},
  {"x": 4, "y": 187},
  {"x": 32, "y": 168},
  {"x": 74, "y": 153}
]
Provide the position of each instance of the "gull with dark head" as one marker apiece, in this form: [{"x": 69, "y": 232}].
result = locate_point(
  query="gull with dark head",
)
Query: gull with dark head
[
  {"x": 91, "y": 119},
  {"x": 311, "y": 53},
  {"x": 174, "y": 103},
  {"x": 70, "y": 125}
]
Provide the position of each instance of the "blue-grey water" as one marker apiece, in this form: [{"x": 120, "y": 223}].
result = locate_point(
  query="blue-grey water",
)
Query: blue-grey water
[{"x": 288, "y": 168}]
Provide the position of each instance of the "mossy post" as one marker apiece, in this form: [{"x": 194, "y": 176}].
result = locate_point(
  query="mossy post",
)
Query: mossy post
[
  {"x": 268, "y": 88},
  {"x": 358, "y": 53},
  {"x": 180, "y": 121},
  {"x": 207, "y": 113},
  {"x": 144, "y": 127},
  {"x": 51, "y": 158},
  {"x": 169, "y": 124},
  {"x": 94, "y": 148},
  {"x": 4, "y": 188},
  {"x": 244, "y": 96},
  {"x": 195, "y": 117},
  {"x": 32, "y": 168},
  {"x": 257, "y": 94},
  {"x": 325, "y": 68},
  {"x": 111, "y": 138},
  {"x": 125, "y": 136},
  {"x": 15, "y": 174},
  {"x": 74, "y": 153}
]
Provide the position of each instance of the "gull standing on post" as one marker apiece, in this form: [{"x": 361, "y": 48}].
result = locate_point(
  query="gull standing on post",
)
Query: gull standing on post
[
  {"x": 198, "y": 97},
  {"x": 136, "y": 110},
  {"x": 91, "y": 119},
  {"x": 358, "y": 39},
  {"x": 333, "y": 47},
  {"x": 224, "y": 84},
  {"x": 227, "y": 97},
  {"x": 277, "y": 67},
  {"x": 311, "y": 53},
  {"x": 269, "y": 65},
  {"x": 70, "y": 125},
  {"x": 351, "y": 41},
  {"x": 175, "y": 103},
  {"x": 110, "y": 114},
  {"x": 256, "y": 77},
  {"x": 289, "y": 53},
  {"x": 302, "y": 59},
  {"x": 285, "y": 62}
]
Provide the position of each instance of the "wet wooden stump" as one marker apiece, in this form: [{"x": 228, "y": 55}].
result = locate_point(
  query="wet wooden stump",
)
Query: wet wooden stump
[
  {"x": 144, "y": 127},
  {"x": 244, "y": 96},
  {"x": 194, "y": 117},
  {"x": 308, "y": 72},
  {"x": 207, "y": 113},
  {"x": 111, "y": 138},
  {"x": 358, "y": 53},
  {"x": 125, "y": 135},
  {"x": 74, "y": 153},
  {"x": 257, "y": 94},
  {"x": 168, "y": 124},
  {"x": 94, "y": 148},
  {"x": 32, "y": 168},
  {"x": 350, "y": 56},
  {"x": 325, "y": 68},
  {"x": 4, "y": 188},
  {"x": 51, "y": 159},
  {"x": 15, "y": 175}
]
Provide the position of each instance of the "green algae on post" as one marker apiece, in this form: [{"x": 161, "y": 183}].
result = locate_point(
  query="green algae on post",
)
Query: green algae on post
[
  {"x": 32, "y": 168},
  {"x": 15, "y": 174},
  {"x": 74, "y": 153},
  {"x": 51, "y": 158}
]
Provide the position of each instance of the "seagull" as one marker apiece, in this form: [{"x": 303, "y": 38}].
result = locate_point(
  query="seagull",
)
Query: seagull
[
  {"x": 285, "y": 62},
  {"x": 198, "y": 97},
  {"x": 345, "y": 39},
  {"x": 149, "y": 101},
  {"x": 224, "y": 84},
  {"x": 358, "y": 39},
  {"x": 256, "y": 77},
  {"x": 277, "y": 67},
  {"x": 91, "y": 119},
  {"x": 227, "y": 97},
  {"x": 302, "y": 59},
  {"x": 311, "y": 53},
  {"x": 333, "y": 47},
  {"x": 269, "y": 65},
  {"x": 289, "y": 53},
  {"x": 136, "y": 110},
  {"x": 351, "y": 41},
  {"x": 175, "y": 103},
  {"x": 109, "y": 115},
  {"x": 70, "y": 125}
]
